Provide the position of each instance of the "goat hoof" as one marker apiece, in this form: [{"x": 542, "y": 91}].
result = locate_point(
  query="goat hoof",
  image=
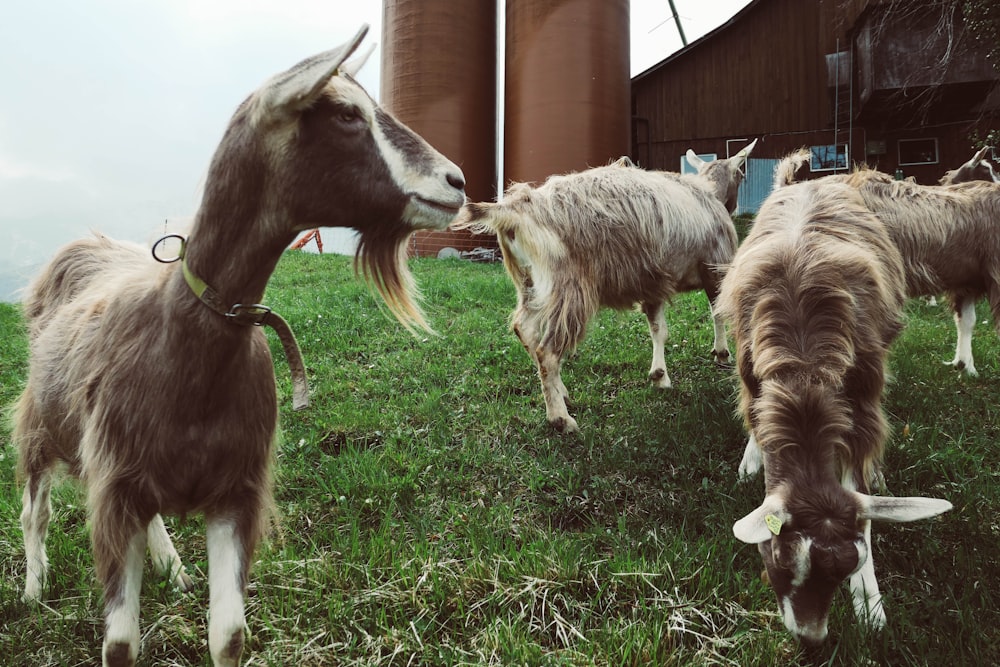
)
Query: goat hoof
[
  {"x": 184, "y": 583},
  {"x": 564, "y": 425},
  {"x": 657, "y": 375},
  {"x": 32, "y": 595},
  {"x": 118, "y": 654},
  {"x": 234, "y": 649},
  {"x": 960, "y": 365}
]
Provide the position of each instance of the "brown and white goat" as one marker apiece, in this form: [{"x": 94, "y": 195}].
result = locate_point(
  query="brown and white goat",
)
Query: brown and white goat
[
  {"x": 610, "y": 236},
  {"x": 976, "y": 169},
  {"x": 949, "y": 237},
  {"x": 160, "y": 403},
  {"x": 814, "y": 297}
]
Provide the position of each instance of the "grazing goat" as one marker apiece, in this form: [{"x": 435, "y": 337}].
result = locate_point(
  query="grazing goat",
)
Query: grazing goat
[
  {"x": 814, "y": 297},
  {"x": 976, "y": 169},
  {"x": 158, "y": 393},
  {"x": 947, "y": 234},
  {"x": 610, "y": 236}
]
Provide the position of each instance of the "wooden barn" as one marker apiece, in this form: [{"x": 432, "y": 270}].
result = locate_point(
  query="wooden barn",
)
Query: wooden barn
[{"x": 895, "y": 85}]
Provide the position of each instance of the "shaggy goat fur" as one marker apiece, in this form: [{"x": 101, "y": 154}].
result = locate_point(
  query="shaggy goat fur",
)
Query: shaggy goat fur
[
  {"x": 814, "y": 297},
  {"x": 163, "y": 404},
  {"x": 610, "y": 236},
  {"x": 949, "y": 237}
]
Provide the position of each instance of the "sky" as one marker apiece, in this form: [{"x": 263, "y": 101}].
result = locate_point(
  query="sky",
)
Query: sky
[{"x": 111, "y": 109}]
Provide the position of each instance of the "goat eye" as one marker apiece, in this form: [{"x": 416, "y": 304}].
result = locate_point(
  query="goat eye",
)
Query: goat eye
[{"x": 349, "y": 116}]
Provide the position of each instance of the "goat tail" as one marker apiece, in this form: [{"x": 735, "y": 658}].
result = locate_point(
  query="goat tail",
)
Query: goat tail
[
  {"x": 479, "y": 218},
  {"x": 784, "y": 173}
]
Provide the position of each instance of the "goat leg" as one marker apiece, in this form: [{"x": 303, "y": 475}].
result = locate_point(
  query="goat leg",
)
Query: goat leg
[
  {"x": 658, "y": 333},
  {"x": 965, "y": 322},
  {"x": 227, "y": 574},
  {"x": 120, "y": 572},
  {"x": 165, "y": 557},
  {"x": 865, "y": 591},
  {"x": 35, "y": 514},
  {"x": 753, "y": 460},
  {"x": 554, "y": 391}
]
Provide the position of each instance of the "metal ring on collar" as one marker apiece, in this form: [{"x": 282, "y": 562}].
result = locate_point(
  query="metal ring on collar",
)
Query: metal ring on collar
[{"x": 164, "y": 239}]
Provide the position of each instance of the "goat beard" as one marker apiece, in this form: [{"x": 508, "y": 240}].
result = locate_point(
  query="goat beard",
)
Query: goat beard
[{"x": 381, "y": 258}]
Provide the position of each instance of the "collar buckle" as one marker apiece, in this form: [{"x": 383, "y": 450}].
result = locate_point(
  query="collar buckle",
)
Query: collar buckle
[{"x": 249, "y": 314}]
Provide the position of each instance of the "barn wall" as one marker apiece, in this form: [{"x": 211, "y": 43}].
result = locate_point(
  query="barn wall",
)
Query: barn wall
[
  {"x": 764, "y": 73},
  {"x": 768, "y": 74}
]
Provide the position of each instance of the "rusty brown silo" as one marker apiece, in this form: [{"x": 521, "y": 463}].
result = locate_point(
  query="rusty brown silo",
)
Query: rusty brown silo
[
  {"x": 567, "y": 86},
  {"x": 439, "y": 64}
]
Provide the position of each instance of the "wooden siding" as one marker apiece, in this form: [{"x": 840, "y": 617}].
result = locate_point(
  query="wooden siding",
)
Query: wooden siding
[
  {"x": 764, "y": 75},
  {"x": 764, "y": 72}
]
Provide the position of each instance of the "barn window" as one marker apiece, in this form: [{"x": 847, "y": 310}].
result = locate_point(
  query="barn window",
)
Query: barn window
[
  {"x": 918, "y": 151},
  {"x": 828, "y": 158}
]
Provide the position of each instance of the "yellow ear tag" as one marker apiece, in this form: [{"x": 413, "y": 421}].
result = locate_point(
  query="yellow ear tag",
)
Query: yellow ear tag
[{"x": 773, "y": 524}]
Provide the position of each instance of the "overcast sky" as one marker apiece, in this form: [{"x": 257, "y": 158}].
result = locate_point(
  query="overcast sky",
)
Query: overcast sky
[{"x": 111, "y": 109}]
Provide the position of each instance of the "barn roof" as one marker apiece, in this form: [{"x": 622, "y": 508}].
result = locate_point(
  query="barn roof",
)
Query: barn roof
[{"x": 708, "y": 36}]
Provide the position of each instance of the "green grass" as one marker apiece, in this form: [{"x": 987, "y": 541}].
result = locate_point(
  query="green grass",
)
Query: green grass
[{"x": 428, "y": 515}]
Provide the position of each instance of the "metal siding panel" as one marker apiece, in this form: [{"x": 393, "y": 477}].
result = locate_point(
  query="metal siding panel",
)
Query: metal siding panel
[{"x": 757, "y": 185}]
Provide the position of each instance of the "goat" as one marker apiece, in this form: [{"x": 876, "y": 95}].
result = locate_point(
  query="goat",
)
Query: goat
[
  {"x": 608, "y": 236},
  {"x": 947, "y": 235},
  {"x": 725, "y": 176},
  {"x": 156, "y": 392},
  {"x": 976, "y": 169},
  {"x": 814, "y": 299}
]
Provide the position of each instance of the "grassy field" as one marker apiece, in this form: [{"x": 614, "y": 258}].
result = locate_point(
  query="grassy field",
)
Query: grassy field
[{"x": 429, "y": 516}]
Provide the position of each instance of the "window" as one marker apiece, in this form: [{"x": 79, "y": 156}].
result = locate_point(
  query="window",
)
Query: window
[
  {"x": 828, "y": 158},
  {"x": 918, "y": 151}
]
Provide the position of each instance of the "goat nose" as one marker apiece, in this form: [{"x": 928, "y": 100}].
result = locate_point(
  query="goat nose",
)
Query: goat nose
[{"x": 456, "y": 179}]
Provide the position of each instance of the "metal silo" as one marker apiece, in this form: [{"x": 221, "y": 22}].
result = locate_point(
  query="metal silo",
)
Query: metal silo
[
  {"x": 567, "y": 86},
  {"x": 439, "y": 64}
]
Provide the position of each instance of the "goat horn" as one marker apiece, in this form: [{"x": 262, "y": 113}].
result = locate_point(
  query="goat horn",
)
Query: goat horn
[
  {"x": 298, "y": 86},
  {"x": 354, "y": 66}
]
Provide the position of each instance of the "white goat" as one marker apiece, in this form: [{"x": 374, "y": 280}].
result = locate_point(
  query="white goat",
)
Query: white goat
[
  {"x": 610, "y": 236},
  {"x": 814, "y": 297},
  {"x": 976, "y": 169},
  {"x": 148, "y": 380}
]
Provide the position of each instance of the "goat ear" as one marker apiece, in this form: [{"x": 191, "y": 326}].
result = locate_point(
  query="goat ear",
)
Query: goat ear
[
  {"x": 737, "y": 161},
  {"x": 763, "y": 522},
  {"x": 895, "y": 510},
  {"x": 746, "y": 150},
  {"x": 693, "y": 159},
  {"x": 978, "y": 157},
  {"x": 354, "y": 65},
  {"x": 300, "y": 85}
]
